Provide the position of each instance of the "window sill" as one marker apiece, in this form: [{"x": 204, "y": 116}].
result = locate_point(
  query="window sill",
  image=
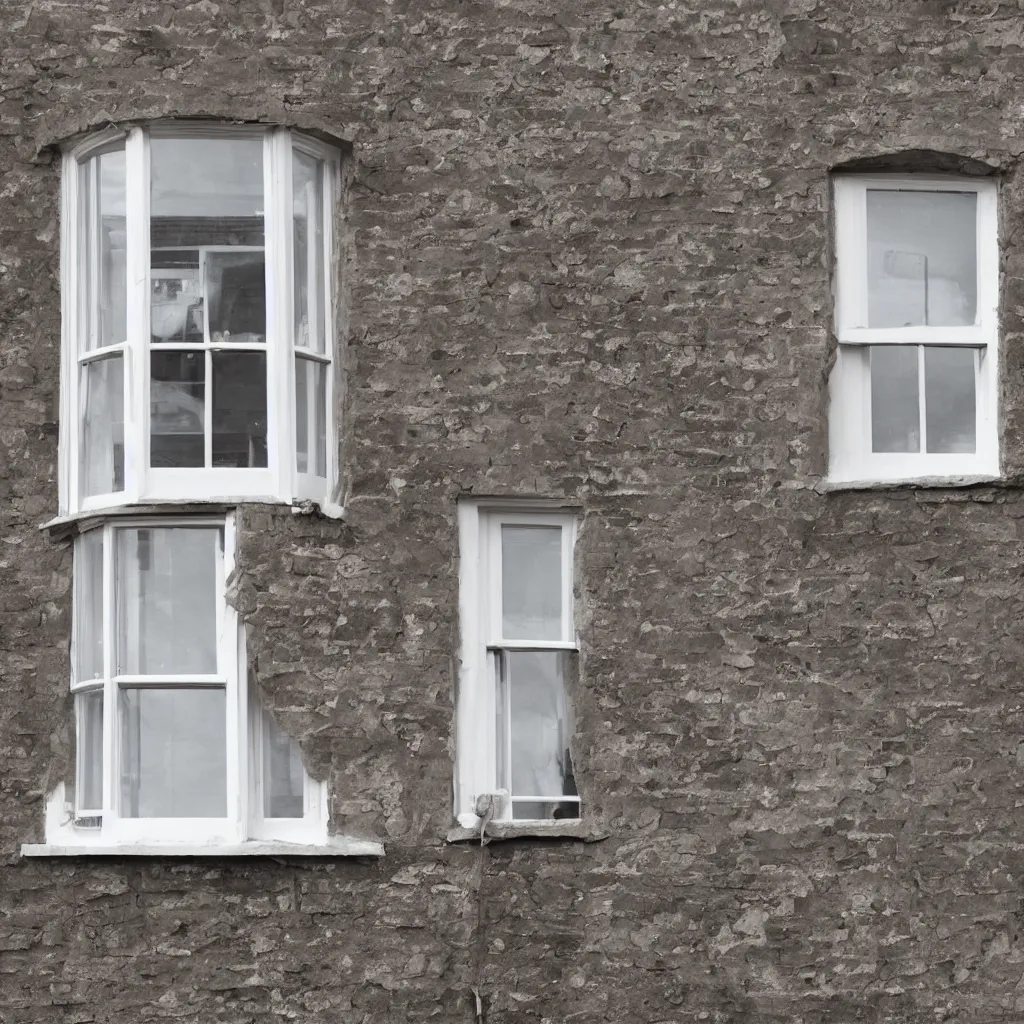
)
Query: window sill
[
  {"x": 962, "y": 480},
  {"x": 70, "y": 523},
  {"x": 582, "y": 830},
  {"x": 336, "y": 846}
]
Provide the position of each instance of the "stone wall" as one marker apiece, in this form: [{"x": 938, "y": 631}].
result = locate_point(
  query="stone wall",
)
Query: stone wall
[{"x": 588, "y": 258}]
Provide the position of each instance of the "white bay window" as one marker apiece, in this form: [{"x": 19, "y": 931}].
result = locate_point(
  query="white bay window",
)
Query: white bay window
[
  {"x": 915, "y": 385},
  {"x": 518, "y": 653},
  {"x": 199, "y": 317},
  {"x": 172, "y": 746}
]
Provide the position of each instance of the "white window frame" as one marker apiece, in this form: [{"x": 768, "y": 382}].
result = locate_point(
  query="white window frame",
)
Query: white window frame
[
  {"x": 102, "y": 827},
  {"x": 279, "y": 482},
  {"x": 476, "y": 767},
  {"x": 851, "y": 459}
]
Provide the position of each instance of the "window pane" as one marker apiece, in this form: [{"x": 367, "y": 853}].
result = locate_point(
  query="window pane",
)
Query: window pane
[
  {"x": 895, "y": 414},
  {"x": 177, "y": 409},
  {"x": 102, "y": 266},
  {"x": 167, "y": 600},
  {"x": 173, "y": 753},
  {"x": 283, "y": 774},
  {"x": 949, "y": 379},
  {"x": 236, "y": 289},
  {"x": 176, "y": 298},
  {"x": 101, "y": 460},
  {"x": 922, "y": 258},
  {"x": 89, "y": 732},
  {"x": 311, "y": 417},
  {"x": 87, "y": 613},
  {"x": 308, "y": 250},
  {"x": 539, "y": 732},
  {"x": 206, "y": 223},
  {"x": 239, "y": 409},
  {"x": 531, "y": 582}
]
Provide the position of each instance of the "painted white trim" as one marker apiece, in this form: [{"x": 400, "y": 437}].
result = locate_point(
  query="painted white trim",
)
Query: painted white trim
[
  {"x": 851, "y": 460},
  {"x": 481, "y": 643},
  {"x": 278, "y": 481},
  {"x": 334, "y": 846}
]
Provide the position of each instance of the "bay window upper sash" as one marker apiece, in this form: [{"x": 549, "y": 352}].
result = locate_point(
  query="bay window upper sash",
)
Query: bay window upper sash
[{"x": 280, "y": 480}]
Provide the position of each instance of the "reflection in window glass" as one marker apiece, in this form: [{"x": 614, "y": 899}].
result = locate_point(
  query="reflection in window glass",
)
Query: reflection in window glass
[
  {"x": 89, "y": 741},
  {"x": 308, "y": 250},
  {"x": 101, "y": 400},
  {"x": 283, "y": 774},
  {"x": 102, "y": 256},
  {"x": 173, "y": 752},
  {"x": 240, "y": 409},
  {"x": 176, "y": 409},
  {"x": 949, "y": 384},
  {"x": 236, "y": 290},
  {"x": 922, "y": 258},
  {"x": 87, "y": 623},
  {"x": 895, "y": 413},
  {"x": 311, "y": 417},
  {"x": 167, "y": 594},
  {"x": 534, "y": 757},
  {"x": 531, "y": 582}
]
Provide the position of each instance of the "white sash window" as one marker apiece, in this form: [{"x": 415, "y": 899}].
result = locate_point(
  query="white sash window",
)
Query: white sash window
[
  {"x": 518, "y": 654},
  {"x": 914, "y": 387}
]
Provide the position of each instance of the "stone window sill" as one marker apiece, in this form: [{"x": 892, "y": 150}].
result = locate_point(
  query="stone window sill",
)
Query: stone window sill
[
  {"x": 583, "y": 831},
  {"x": 833, "y": 486},
  {"x": 336, "y": 846}
]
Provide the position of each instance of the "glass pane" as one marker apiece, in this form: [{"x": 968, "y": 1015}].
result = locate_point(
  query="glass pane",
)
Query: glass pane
[
  {"x": 539, "y": 733},
  {"x": 311, "y": 417},
  {"x": 207, "y": 238},
  {"x": 531, "y": 582},
  {"x": 895, "y": 413},
  {"x": 101, "y": 460},
  {"x": 283, "y": 774},
  {"x": 949, "y": 378},
  {"x": 922, "y": 258},
  {"x": 239, "y": 409},
  {"x": 176, "y": 298},
  {"x": 173, "y": 753},
  {"x": 89, "y": 733},
  {"x": 308, "y": 250},
  {"x": 236, "y": 289},
  {"x": 102, "y": 266},
  {"x": 87, "y": 612},
  {"x": 167, "y": 600},
  {"x": 177, "y": 409}
]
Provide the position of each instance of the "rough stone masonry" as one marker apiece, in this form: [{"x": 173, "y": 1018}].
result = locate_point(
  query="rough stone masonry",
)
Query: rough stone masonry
[{"x": 586, "y": 256}]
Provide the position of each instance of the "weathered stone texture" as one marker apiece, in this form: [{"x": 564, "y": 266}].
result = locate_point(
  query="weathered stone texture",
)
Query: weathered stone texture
[{"x": 588, "y": 258}]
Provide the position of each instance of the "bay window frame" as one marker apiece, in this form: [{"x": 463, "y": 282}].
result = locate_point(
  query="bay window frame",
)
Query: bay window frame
[
  {"x": 279, "y": 481},
  {"x": 851, "y": 459},
  {"x": 245, "y": 723}
]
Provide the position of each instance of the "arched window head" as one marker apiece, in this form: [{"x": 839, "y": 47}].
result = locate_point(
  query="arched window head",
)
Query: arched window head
[{"x": 199, "y": 317}]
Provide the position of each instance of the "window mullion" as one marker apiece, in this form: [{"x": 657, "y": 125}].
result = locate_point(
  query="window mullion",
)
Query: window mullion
[
  {"x": 71, "y": 285},
  {"x": 229, "y": 665},
  {"x": 107, "y": 621},
  {"x": 136, "y": 370},
  {"x": 208, "y": 408},
  {"x": 922, "y": 410},
  {"x": 279, "y": 284}
]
